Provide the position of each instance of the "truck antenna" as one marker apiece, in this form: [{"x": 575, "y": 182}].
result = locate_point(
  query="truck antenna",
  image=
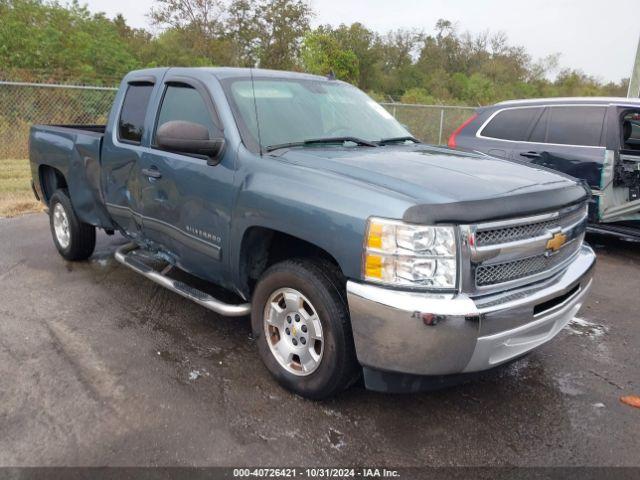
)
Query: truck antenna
[{"x": 255, "y": 107}]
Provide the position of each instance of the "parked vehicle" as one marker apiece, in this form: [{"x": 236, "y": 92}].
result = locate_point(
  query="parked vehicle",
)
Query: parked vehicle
[
  {"x": 354, "y": 247},
  {"x": 594, "y": 139}
]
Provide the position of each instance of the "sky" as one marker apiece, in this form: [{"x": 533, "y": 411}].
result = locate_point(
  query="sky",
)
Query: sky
[{"x": 596, "y": 36}]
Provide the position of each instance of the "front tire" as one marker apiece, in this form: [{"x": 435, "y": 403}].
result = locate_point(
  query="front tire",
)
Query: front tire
[
  {"x": 300, "y": 321},
  {"x": 74, "y": 239}
]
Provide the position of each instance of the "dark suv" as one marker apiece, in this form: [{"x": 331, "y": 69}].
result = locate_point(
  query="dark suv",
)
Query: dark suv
[{"x": 594, "y": 139}]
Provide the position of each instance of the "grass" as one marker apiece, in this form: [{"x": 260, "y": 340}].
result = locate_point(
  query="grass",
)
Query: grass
[{"x": 16, "y": 196}]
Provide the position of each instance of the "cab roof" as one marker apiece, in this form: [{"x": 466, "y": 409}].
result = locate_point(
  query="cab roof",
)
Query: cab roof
[{"x": 229, "y": 72}]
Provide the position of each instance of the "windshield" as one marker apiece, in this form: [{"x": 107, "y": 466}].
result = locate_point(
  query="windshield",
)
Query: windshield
[{"x": 296, "y": 110}]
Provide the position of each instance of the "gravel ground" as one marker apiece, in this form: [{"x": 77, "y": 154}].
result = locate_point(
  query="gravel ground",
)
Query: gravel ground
[{"x": 99, "y": 366}]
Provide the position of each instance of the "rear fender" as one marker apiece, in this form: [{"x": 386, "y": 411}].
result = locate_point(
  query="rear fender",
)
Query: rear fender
[{"x": 77, "y": 158}]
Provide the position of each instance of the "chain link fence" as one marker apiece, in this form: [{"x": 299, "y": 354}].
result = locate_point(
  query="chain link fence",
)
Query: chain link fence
[
  {"x": 430, "y": 123},
  {"x": 23, "y": 104}
]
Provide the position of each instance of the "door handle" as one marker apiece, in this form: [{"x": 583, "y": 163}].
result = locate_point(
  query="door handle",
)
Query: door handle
[
  {"x": 530, "y": 154},
  {"x": 152, "y": 172}
]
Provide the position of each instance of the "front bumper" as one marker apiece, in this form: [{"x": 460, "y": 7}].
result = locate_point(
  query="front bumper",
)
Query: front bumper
[{"x": 442, "y": 334}]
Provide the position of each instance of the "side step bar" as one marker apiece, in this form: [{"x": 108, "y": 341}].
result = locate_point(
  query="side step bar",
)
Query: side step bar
[{"x": 181, "y": 288}]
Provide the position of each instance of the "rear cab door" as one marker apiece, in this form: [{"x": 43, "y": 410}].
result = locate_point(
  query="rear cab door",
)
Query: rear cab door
[
  {"x": 124, "y": 144},
  {"x": 503, "y": 133},
  {"x": 569, "y": 139}
]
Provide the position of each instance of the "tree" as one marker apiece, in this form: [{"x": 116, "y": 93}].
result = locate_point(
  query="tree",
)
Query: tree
[
  {"x": 417, "y": 95},
  {"x": 397, "y": 71},
  {"x": 322, "y": 54},
  {"x": 200, "y": 24},
  {"x": 365, "y": 45},
  {"x": 267, "y": 33},
  {"x": 283, "y": 25},
  {"x": 46, "y": 41},
  {"x": 244, "y": 30},
  {"x": 203, "y": 16}
]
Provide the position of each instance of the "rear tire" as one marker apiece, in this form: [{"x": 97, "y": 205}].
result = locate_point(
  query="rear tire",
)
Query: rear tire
[
  {"x": 300, "y": 321},
  {"x": 74, "y": 239}
]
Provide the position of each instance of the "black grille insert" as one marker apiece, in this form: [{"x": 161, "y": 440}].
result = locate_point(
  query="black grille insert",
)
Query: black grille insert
[{"x": 549, "y": 304}]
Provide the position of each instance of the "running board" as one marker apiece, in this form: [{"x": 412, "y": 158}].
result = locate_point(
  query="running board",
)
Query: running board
[{"x": 201, "y": 298}]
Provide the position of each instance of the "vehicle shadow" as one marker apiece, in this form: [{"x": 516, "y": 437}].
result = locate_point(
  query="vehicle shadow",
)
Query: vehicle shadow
[{"x": 608, "y": 244}]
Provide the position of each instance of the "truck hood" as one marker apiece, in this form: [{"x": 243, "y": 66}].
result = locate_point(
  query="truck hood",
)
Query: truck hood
[{"x": 438, "y": 176}]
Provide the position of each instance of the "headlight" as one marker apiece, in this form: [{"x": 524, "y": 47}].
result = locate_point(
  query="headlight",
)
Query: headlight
[{"x": 402, "y": 254}]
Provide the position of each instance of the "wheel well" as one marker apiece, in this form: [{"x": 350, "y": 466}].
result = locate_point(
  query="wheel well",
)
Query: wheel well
[
  {"x": 263, "y": 247},
  {"x": 51, "y": 179}
]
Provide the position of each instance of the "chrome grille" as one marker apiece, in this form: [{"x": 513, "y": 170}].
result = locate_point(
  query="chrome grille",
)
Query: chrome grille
[
  {"x": 518, "y": 251},
  {"x": 517, "y": 269},
  {"x": 500, "y": 235}
]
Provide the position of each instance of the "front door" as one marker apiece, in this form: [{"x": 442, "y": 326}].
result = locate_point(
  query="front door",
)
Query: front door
[{"x": 186, "y": 202}]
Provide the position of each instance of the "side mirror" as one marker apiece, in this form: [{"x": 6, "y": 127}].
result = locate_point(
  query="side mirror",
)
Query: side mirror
[{"x": 191, "y": 138}]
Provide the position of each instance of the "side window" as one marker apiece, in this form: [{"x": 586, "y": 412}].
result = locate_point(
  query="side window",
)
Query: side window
[
  {"x": 575, "y": 125},
  {"x": 512, "y": 124},
  {"x": 182, "y": 102},
  {"x": 134, "y": 109},
  {"x": 539, "y": 132}
]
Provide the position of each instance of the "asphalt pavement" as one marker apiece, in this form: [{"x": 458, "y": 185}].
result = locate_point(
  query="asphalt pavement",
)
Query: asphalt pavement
[{"x": 99, "y": 366}]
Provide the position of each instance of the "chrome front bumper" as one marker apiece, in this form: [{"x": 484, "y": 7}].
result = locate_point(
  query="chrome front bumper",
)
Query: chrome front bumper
[{"x": 441, "y": 334}]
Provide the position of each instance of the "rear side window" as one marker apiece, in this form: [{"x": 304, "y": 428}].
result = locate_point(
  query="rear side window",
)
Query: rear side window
[
  {"x": 182, "y": 102},
  {"x": 511, "y": 124},
  {"x": 575, "y": 125},
  {"x": 134, "y": 109},
  {"x": 539, "y": 132}
]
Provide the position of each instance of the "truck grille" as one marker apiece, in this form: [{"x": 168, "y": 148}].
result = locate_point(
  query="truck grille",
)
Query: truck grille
[
  {"x": 515, "y": 270},
  {"x": 500, "y": 235},
  {"x": 519, "y": 251}
]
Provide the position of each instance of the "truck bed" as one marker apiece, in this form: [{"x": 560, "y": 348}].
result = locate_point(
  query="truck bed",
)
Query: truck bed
[{"x": 74, "y": 151}]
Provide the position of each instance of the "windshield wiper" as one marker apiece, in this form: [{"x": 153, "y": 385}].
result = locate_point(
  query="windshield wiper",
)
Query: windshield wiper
[
  {"x": 356, "y": 140},
  {"x": 387, "y": 141},
  {"x": 312, "y": 141}
]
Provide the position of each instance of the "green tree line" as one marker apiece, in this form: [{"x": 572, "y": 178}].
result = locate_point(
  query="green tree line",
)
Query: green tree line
[{"x": 49, "y": 41}]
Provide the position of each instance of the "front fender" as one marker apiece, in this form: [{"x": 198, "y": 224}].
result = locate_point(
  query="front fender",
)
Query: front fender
[{"x": 322, "y": 208}]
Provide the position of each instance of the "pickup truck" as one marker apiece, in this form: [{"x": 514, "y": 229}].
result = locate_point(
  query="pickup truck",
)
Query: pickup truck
[{"x": 357, "y": 250}]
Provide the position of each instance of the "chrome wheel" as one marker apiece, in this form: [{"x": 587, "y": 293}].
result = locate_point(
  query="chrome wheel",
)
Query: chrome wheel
[
  {"x": 61, "y": 225},
  {"x": 293, "y": 331}
]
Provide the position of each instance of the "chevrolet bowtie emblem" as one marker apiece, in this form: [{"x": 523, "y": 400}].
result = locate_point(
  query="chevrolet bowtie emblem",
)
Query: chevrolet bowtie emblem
[{"x": 556, "y": 242}]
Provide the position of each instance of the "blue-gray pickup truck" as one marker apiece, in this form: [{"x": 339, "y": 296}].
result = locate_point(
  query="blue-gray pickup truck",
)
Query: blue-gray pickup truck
[{"x": 357, "y": 250}]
